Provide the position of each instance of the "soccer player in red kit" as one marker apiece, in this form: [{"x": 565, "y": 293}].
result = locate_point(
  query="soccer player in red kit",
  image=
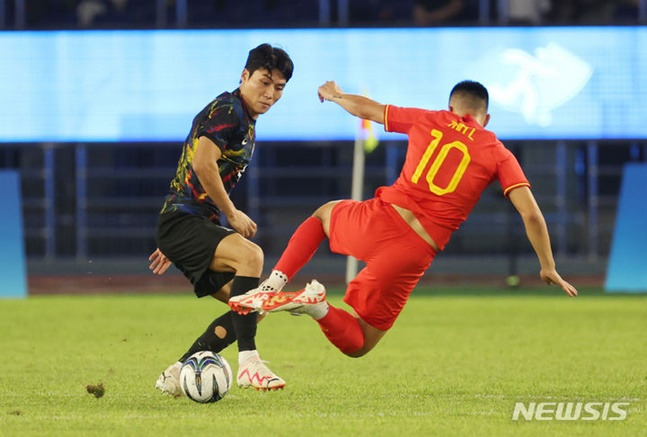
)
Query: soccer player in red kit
[{"x": 450, "y": 160}]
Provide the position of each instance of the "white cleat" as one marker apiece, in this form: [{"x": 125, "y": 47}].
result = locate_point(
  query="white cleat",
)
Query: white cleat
[
  {"x": 312, "y": 301},
  {"x": 254, "y": 373},
  {"x": 169, "y": 380}
]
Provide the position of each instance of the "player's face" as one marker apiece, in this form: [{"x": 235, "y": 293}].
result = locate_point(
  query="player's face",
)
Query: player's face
[{"x": 261, "y": 90}]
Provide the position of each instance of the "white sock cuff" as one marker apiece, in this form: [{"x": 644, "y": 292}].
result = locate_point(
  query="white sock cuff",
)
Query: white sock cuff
[
  {"x": 319, "y": 311},
  {"x": 275, "y": 282}
]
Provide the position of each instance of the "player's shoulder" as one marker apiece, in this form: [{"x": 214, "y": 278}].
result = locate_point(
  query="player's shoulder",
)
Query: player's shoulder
[
  {"x": 411, "y": 112},
  {"x": 228, "y": 104},
  {"x": 491, "y": 137},
  {"x": 228, "y": 99},
  {"x": 447, "y": 118},
  {"x": 491, "y": 142}
]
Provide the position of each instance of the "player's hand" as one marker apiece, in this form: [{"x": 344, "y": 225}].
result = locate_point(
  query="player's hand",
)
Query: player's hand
[
  {"x": 159, "y": 262},
  {"x": 242, "y": 224},
  {"x": 328, "y": 90},
  {"x": 551, "y": 277}
]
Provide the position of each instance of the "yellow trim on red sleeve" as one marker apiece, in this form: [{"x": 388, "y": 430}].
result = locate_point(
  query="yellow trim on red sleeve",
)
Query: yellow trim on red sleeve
[
  {"x": 512, "y": 187},
  {"x": 386, "y": 119}
]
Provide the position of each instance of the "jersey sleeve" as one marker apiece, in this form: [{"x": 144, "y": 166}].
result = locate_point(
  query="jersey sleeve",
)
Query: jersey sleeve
[
  {"x": 509, "y": 172},
  {"x": 219, "y": 126},
  {"x": 397, "y": 119}
]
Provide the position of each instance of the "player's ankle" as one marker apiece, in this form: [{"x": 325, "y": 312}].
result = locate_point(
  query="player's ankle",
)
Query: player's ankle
[
  {"x": 247, "y": 355},
  {"x": 318, "y": 311},
  {"x": 275, "y": 282}
]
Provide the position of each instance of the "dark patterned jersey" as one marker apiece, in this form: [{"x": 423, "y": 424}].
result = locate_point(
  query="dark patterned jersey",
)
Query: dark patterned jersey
[{"x": 225, "y": 122}]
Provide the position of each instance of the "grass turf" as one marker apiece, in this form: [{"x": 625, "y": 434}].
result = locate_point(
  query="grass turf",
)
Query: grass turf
[{"x": 454, "y": 364}]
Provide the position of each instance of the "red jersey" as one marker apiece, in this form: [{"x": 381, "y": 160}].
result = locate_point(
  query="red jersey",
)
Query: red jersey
[{"x": 450, "y": 161}]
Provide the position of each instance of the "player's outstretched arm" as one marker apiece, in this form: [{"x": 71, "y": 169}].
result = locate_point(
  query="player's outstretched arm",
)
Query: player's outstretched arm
[
  {"x": 357, "y": 105},
  {"x": 537, "y": 233}
]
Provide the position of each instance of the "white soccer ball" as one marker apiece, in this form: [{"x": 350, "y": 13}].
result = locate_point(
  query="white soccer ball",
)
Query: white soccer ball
[{"x": 205, "y": 377}]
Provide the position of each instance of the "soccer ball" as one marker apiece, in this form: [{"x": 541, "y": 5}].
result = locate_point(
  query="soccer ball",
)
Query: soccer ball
[{"x": 205, "y": 377}]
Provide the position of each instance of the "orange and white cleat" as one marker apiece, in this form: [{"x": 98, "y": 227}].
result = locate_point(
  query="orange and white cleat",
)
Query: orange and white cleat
[
  {"x": 250, "y": 301},
  {"x": 296, "y": 302}
]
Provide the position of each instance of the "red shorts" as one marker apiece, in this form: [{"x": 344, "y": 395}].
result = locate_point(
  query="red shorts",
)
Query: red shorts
[{"x": 395, "y": 256}]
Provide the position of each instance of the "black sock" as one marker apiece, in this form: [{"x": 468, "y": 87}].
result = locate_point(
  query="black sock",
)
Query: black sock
[
  {"x": 218, "y": 336},
  {"x": 245, "y": 326}
]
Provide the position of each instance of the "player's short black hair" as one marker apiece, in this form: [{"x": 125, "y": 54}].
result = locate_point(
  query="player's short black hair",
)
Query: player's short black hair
[
  {"x": 270, "y": 58},
  {"x": 473, "y": 90}
]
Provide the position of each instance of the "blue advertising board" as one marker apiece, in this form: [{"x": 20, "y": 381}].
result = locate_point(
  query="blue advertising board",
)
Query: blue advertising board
[
  {"x": 12, "y": 249},
  {"x": 627, "y": 270}
]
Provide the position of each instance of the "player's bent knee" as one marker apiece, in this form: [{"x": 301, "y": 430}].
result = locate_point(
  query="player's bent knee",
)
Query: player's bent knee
[
  {"x": 365, "y": 348},
  {"x": 372, "y": 337},
  {"x": 246, "y": 256},
  {"x": 358, "y": 353},
  {"x": 252, "y": 255}
]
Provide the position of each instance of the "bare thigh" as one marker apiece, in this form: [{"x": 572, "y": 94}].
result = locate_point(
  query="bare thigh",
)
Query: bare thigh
[{"x": 237, "y": 254}]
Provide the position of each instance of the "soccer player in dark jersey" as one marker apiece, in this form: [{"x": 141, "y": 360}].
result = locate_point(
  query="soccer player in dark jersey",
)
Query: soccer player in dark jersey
[
  {"x": 219, "y": 261},
  {"x": 450, "y": 160}
]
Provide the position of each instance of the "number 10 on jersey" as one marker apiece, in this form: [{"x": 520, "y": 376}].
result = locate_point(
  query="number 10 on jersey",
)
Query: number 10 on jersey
[{"x": 438, "y": 162}]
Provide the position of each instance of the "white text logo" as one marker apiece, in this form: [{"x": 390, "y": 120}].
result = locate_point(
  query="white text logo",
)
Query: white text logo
[{"x": 570, "y": 411}]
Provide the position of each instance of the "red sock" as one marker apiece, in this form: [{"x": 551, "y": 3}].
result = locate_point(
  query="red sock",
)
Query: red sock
[
  {"x": 342, "y": 330},
  {"x": 301, "y": 247}
]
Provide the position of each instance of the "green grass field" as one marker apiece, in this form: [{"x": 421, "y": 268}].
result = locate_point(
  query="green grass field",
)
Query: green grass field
[{"x": 454, "y": 364}]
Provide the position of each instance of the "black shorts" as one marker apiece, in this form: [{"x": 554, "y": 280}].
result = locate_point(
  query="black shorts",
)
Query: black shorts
[{"x": 190, "y": 241}]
